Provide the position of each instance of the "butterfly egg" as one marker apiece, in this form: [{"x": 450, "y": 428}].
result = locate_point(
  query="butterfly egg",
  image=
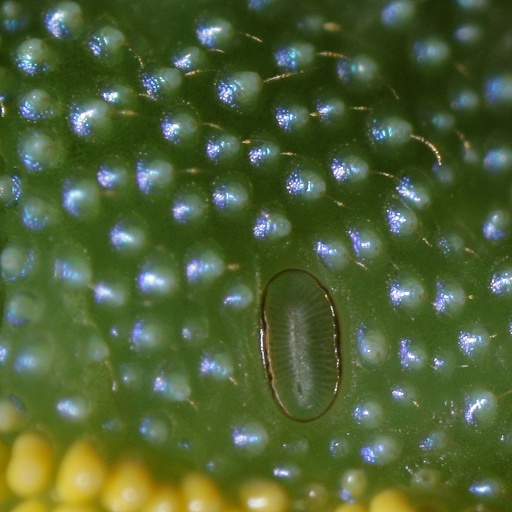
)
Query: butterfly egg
[
  {"x": 30, "y": 467},
  {"x": 164, "y": 498},
  {"x": 200, "y": 494},
  {"x": 263, "y": 496},
  {"x": 127, "y": 487},
  {"x": 81, "y": 474},
  {"x": 390, "y": 500},
  {"x": 300, "y": 344}
]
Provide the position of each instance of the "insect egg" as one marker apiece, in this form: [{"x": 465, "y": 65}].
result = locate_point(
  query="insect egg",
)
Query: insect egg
[{"x": 300, "y": 344}]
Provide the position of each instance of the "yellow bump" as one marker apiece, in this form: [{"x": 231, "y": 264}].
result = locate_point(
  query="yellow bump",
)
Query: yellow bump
[
  {"x": 81, "y": 474},
  {"x": 164, "y": 498},
  {"x": 30, "y": 468},
  {"x": 126, "y": 488},
  {"x": 10, "y": 417},
  {"x": 75, "y": 508},
  {"x": 351, "y": 507},
  {"x": 30, "y": 506},
  {"x": 390, "y": 500},
  {"x": 263, "y": 496},
  {"x": 200, "y": 494}
]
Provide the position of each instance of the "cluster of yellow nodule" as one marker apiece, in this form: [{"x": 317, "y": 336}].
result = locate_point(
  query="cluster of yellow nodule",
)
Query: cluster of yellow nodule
[{"x": 32, "y": 480}]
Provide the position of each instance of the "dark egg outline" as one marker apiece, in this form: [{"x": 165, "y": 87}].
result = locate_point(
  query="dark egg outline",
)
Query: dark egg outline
[{"x": 265, "y": 344}]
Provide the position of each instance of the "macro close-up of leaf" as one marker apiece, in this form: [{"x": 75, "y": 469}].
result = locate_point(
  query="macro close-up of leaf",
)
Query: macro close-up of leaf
[{"x": 255, "y": 256}]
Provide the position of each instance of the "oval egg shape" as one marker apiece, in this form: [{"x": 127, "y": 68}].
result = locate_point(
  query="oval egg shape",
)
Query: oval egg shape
[{"x": 300, "y": 347}]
